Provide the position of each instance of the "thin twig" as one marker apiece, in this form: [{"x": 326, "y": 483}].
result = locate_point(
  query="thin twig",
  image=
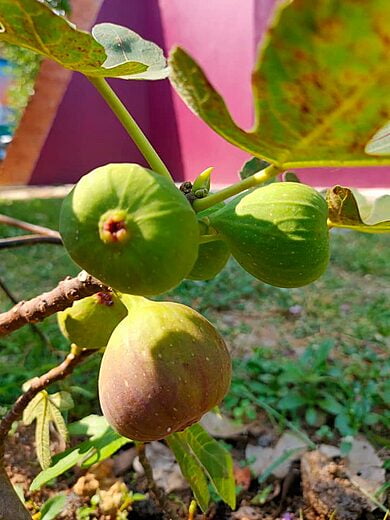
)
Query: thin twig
[
  {"x": 28, "y": 240},
  {"x": 7, "y": 292},
  {"x": 39, "y": 230},
  {"x": 157, "y": 493},
  {"x": 33, "y": 327},
  {"x": 38, "y": 384},
  {"x": 49, "y": 303}
]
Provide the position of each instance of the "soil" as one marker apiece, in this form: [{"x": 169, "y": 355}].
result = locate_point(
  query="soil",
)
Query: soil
[{"x": 287, "y": 499}]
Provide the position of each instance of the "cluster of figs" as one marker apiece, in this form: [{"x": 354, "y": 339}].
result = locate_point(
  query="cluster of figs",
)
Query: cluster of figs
[{"x": 164, "y": 364}]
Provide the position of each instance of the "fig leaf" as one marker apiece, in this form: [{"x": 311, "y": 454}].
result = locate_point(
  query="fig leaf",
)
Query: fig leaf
[
  {"x": 318, "y": 99},
  {"x": 33, "y": 25}
]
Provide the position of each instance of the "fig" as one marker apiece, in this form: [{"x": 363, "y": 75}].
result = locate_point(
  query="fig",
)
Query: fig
[
  {"x": 212, "y": 256},
  {"x": 90, "y": 322},
  {"x": 164, "y": 367},
  {"x": 278, "y": 233},
  {"x": 131, "y": 228}
]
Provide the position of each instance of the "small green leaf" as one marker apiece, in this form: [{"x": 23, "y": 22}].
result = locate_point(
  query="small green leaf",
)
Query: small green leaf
[
  {"x": 344, "y": 212},
  {"x": 92, "y": 426},
  {"x": 252, "y": 166},
  {"x": 343, "y": 425},
  {"x": 114, "y": 51},
  {"x": 320, "y": 86},
  {"x": 85, "y": 454},
  {"x": 311, "y": 416},
  {"x": 331, "y": 405},
  {"x": 215, "y": 459},
  {"x": 291, "y": 401},
  {"x": 192, "y": 470},
  {"x": 53, "y": 507}
]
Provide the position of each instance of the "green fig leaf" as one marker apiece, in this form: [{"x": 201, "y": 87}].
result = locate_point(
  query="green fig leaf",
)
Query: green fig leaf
[
  {"x": 192, "y": 470},
  {"x": 215, "y": 460},
  {"x": 318, "y": 99},
  {"x": 98, "y": 448},
  {"x": 53, "y": 507},
  {"x": 44, "y": 409},
  {"x": 347, "y": 209},
  {"x": 114, "y": 52}
]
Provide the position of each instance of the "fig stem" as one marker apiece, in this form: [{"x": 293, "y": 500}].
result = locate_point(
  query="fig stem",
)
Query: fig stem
[
  {"x": 130, "y": 125},
  {"x": 250, "y": 182}
]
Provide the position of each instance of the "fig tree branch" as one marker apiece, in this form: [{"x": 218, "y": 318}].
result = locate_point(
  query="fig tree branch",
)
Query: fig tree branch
[
  {"x": 28, "y": 240},
  {"x": 130, "y": 125},
  {"x": 21, "y": 224},
  {"x": 38, "y": 384},
  {"x": 250, "y": 182},
  {"x": 46, "y": 304}
]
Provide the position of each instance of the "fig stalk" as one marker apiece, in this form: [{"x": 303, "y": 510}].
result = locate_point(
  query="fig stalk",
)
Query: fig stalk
[
  {"x": 130, "y": 125},
  {"x": 250, "y": 182}
]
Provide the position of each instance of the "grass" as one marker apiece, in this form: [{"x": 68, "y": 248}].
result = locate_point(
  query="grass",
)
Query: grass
[{"x": 318, "y": 355}]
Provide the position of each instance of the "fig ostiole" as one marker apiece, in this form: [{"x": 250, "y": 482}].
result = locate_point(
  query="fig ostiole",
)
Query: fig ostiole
[
  {"x": 278, "y": 233},
  {"x": 164, "y": 367},
  {"x": 89, "y": 322},
  {"x": 131, "y": 228}
]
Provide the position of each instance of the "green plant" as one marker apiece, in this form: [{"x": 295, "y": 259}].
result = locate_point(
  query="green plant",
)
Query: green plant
[
  {"x": 136, "y": 232},
  {"x": 316, "y": 390}
]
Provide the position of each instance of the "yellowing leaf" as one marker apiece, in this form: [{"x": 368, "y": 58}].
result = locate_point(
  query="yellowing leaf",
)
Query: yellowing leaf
[
  {"x": 344, "y": 212},
  {"x": 114, "y": 52},
  {"x": 321, "y": 85},
  {"x": 43, "y": 409}
]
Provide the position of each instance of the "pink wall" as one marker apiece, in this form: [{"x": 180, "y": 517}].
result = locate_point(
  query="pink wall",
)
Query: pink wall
[{"x": 223, "y": 39}]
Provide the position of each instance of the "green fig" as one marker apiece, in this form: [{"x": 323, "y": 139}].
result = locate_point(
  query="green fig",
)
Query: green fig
[
  {"x": 131, "y": 228},
  {"x": 164, "y": 367},
  {"x": 278, "y": 233},
  {"x": 90, "y": 322},
  {"x": 212, "y": 256}
]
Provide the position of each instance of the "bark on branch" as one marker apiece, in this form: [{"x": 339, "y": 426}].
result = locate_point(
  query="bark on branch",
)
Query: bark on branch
[
  {"x": 37, "y": 385},
  {"x": 46, "y": 304}
]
